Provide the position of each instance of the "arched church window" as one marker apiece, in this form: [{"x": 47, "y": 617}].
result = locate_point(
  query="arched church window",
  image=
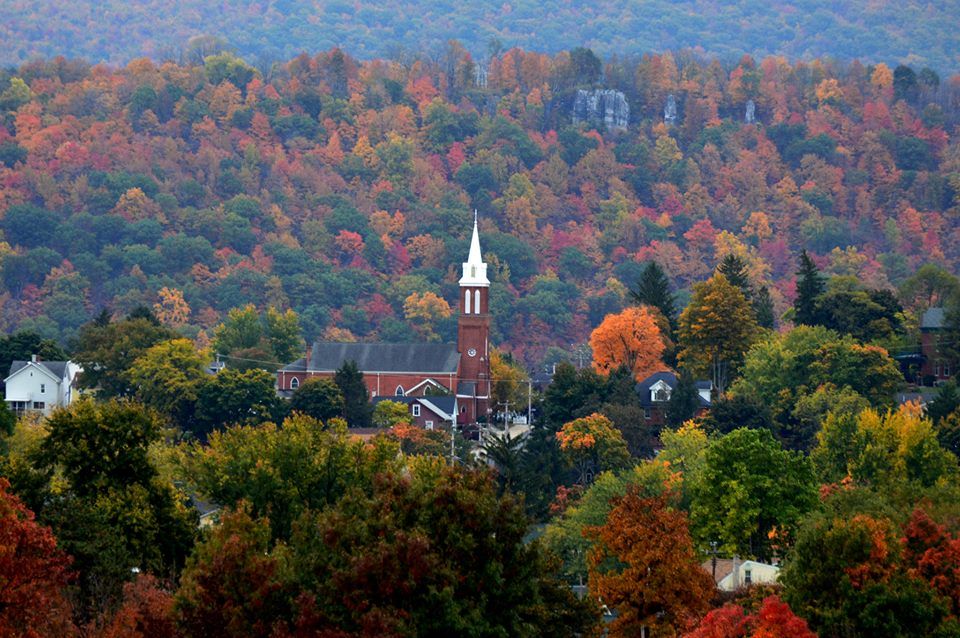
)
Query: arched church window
[
  {"x": 399, "y": 391},
  {"x": 466, "y": 302},
  {"x": 294, "y": 383},
  {"x": 476, "y": 302}
]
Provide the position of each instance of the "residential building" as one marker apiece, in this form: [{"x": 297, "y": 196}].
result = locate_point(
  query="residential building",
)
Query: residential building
[{"x": 40, "y": 386}]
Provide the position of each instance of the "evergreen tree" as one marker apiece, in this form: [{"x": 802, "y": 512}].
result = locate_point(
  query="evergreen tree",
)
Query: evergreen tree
[
  {"x": 684, "y": 401},
  {"x": 763, "y": 308},
  {"x": 810, "y": 286},
  {"x": 653, "y": 289},
  {"x": 946, "y": 402},
  {"x": 356, "y": 398},
  {"x": 734, "y": 268}
]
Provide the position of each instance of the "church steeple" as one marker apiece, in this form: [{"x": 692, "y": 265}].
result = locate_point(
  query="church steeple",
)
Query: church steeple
[
  {"x": 474, "y": 270},
  {"x": 473, "y": 333}
]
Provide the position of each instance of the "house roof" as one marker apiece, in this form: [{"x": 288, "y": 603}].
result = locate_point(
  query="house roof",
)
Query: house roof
[
  {"x": 669, "y": 378},
  {"x": 441, "y": 405},
  {"x": 932, "y": 319},
  {"x": 383, "y": 357},
  {"x": 55, "y": 368}
]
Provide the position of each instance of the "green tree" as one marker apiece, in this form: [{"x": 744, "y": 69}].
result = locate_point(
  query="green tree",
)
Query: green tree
[
  {"x": 431, "y": 551},
  {"x": 20, "y": 345},
  {"x": 945, "y": 403},
  {"x": 106, "y": 501},
  {"x": 356, "y": 398},
  {"x": 282, "y": 471},
  {"x": 318, "y": 398},
  {"x": 882, "y": 449},
  {"x": 387, "y": 414},
  {"x": 167, "y": 377},
  {"x": 256, "y": 340},
  {"x": 763, "y": 307},
  {"x": 233, "y": 397},
  {"x": 716, "y": 329},
  {"x": 653, "y": 289},
  {"x": 810, "y": 286},
  {"x": 734, "y": 268},
  {"x": 751, "y": 494},
  {"x": 107, "y": 352}
]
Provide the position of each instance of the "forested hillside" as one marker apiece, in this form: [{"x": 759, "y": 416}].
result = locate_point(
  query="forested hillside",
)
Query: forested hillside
[
  {"x": 910, "y": 32},
  {"x": 345, "y": 189}
]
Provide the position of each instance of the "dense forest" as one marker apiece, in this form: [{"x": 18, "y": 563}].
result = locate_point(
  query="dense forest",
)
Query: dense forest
[
  {"x": 919, "y": 33},
  {"x": 345, "y": 190},
  {"x": 775, "y": 227}
]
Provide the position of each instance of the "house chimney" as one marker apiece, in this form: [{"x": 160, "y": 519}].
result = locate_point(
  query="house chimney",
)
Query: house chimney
[
  {"x": 309, "y": 352},
  {"x": 33, "y": 358}
]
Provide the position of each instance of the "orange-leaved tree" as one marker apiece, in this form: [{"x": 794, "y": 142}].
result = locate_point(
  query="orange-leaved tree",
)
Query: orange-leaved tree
[
  {"x": 643, "y": 564},
  {"x": 630, "y": 338},
  {"x": 591, "y": 445}
]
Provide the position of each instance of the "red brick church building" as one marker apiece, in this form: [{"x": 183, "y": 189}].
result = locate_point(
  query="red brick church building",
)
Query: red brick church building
[{"x": 419, "y": 369}]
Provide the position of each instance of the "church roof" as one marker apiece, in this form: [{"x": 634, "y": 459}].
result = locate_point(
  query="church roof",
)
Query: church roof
[
  {"x": 474, "y": 270},
  {"x": 383, "y": 357},
  {"x": 932, "y": 319}
]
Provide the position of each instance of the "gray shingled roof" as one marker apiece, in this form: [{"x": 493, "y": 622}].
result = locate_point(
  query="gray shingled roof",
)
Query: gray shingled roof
[
  {"x": 56, "y": 368},
  {"x": 932, "y": 319},
  {"x": 386, "y": 357}
]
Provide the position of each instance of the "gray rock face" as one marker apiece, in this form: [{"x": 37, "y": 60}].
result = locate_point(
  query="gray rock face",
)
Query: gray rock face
[
  {"x": 604, "y": 106},
  {"x": 670, "y": 110},
  {"x": 750, "y": 116}
]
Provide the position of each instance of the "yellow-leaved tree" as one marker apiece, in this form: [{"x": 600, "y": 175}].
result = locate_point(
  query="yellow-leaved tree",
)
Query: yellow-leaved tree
[{"x": 716, "y": 330}]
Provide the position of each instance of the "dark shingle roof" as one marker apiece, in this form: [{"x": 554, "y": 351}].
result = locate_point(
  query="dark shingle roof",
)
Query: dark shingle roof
[
  {"x": 386, "y": 357},
  {"x": 932, "y": 319},
  {"x": 643, "y": 388},
  {"x": 56, "y": 368}
]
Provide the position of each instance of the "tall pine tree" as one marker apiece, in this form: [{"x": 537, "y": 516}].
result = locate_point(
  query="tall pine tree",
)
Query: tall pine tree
[
  {"x": 684, "y": 400},
  {"x": 653, "y": 289},
  {"x": 734, "y": 268},
  {"x": 810, "y": 286},
  {"x": 356, "y": 398},
  {"x": 763, "y": 308}
]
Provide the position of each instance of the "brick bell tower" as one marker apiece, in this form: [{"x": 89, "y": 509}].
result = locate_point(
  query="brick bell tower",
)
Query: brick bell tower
[{"x": 473, "y": 335}]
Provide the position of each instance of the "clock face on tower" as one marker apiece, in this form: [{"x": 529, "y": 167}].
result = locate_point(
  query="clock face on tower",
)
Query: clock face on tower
[{"x": 471, "y": 352}]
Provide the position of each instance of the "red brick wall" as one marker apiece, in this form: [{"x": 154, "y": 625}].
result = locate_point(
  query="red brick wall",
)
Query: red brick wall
[{"x": 382, "y": 385}]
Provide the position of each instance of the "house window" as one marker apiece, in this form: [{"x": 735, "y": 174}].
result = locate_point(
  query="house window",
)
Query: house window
[
  {"x": 466, "y": 302},
  {"x": 662, "y": 395},
  {"x": 18, "y": 406},
  {"x": 936, "y": 370},
  {"x": 429, "y": 425},
  {"x": 946, "y": 369},
  {"x": 416, "y": 409},
  {"x": 747, "y": 577},
  {"x": 294, "y": 383},
  {"x": 646, "y": 413},
  {"x": 43, "y": 388},
  {"x": 38, "y": 405},
  {"x": 399, "y": 391}
]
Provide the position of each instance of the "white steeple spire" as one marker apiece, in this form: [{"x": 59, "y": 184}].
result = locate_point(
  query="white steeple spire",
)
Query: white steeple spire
[{"x": 474, "y": 270}]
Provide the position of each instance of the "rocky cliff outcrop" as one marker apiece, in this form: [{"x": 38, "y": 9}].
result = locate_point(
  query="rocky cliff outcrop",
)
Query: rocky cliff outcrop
[{"x": 601, "y": 106}]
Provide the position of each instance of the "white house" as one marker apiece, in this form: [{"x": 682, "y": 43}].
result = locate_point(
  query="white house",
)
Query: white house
[
  {"x": 732, "y": 574},
  {"x": 40, "y": 386}
]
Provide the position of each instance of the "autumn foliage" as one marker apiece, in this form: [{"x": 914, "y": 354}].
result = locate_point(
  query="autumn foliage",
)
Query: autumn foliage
[
  {"x": 657, "y": 581},
  {"x": 34, "y": 575},
  {"x": 774, "y": 619},
  {"x": 629, "y": 338}
]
